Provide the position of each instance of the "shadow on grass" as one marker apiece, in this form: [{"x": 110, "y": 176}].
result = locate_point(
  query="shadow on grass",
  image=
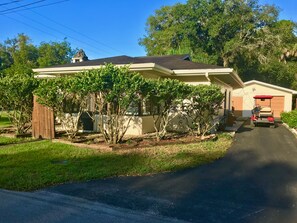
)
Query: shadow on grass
[
  {"x": 35, "y": 165},
  {"x": 245, "y": 186}
]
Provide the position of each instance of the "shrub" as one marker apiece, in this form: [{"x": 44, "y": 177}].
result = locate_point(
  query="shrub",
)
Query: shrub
[
  {"x": 290, "y": 118},
  {"x": 16, "y": 97}
]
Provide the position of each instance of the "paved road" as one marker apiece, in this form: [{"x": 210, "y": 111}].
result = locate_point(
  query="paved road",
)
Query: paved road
[
  {"x": 255, "y": 182},
  {"x": 49, "y": 207}
]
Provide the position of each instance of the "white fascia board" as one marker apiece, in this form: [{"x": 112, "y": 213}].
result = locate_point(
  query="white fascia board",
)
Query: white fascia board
[
  {"x": 54, "y": 70},
  {"x": 76, "y": 69},
  {"x": 193, "y": 72},
  {"x": 270, "y": 85},
  {"x": 42, "y": 76}
]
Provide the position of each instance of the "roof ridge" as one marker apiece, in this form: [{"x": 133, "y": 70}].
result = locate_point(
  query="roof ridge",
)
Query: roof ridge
[{"x": 173, "y": 55}]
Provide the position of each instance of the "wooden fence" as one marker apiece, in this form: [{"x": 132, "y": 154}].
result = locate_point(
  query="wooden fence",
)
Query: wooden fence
[{"x": 43, "y": 125}]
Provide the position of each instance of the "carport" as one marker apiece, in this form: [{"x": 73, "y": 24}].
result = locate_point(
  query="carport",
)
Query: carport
[{"x": 243, "y": 102}]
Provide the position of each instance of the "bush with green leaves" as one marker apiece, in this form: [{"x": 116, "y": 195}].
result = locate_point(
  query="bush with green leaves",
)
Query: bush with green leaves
[
  {"x": 290, "y": 118},
  {"x": 167, "y": 95},
  {"x": 16, "y": 97},
  {"x": 57, "y": 93},
  {"x": 201, "y": 108},
  {"x": 115, "y": 90}
]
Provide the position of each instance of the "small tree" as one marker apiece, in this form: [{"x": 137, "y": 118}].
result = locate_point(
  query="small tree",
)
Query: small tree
[
  {"x": 115, "y": 89},
  {"x": 202, "y": 106},
  {"x": 16, "y": 97},
  {"x": 167, "y": 95},
  {"x": 62, "y": 95}
]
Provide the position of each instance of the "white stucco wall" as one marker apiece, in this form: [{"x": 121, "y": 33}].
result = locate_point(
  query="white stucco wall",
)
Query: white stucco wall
[
  {"x": 138, "y": 125},
  {"x": 228, "y": 89},
  {"x": 250, "y": 90},
  {"x": 193, "y": 80}
]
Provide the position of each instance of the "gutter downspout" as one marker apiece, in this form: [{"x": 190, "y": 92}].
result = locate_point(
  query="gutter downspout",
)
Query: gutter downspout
[{"x": 207, "y": 77}]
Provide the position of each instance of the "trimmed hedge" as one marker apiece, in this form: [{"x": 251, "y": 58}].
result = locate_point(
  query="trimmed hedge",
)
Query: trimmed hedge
[{"x": 290, "y": 118}]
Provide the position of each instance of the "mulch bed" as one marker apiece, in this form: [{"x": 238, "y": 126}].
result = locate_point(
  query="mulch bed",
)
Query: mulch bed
[{"x": 95, "y": 141}]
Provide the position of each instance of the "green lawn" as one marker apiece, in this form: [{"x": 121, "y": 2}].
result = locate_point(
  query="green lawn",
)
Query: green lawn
[
  {"x": 4, "y": 121},
  {"x": 35, "y": 165},
  {"x": 7, "y": 141}
]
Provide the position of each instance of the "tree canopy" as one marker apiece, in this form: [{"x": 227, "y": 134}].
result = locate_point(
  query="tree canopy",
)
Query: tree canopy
[
  {"x": 241, "y": 34},
  {"x": 18, "y": 55}
]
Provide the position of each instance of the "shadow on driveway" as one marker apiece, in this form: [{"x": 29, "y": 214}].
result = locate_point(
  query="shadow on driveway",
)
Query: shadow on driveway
[{"x": 255, "y": 182}]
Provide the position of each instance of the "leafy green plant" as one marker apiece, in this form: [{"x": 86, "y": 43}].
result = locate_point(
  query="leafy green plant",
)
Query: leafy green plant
[
  {"x": 167, "y": 95},
  {"x": 16, "y": 97},
  {"x": 290, "y": 118},
  {"x": 202, "y": 106},
  {"x": 114, "y": 90},
  {"x": 57, "y": 93}
]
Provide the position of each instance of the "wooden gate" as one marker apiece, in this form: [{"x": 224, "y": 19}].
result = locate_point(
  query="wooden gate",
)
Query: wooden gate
[{"x": 43, "y": 125}]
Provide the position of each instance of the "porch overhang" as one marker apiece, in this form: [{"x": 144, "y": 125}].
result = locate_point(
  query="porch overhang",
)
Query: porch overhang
[{"x": 225, "y": 75}]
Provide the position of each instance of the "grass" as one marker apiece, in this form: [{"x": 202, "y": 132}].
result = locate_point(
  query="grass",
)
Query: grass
[
  {"x": 4, "y": 120},
  {"x": 34, "y": 165},
  {"x": 7, "y": 140}
]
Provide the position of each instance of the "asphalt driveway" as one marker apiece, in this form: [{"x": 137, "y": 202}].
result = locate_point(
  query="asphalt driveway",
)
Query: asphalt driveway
[{"x": 255, "y": 182}]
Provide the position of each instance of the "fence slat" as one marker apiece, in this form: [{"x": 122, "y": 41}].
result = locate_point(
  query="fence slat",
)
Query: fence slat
[{"x": 43, "y": 125}]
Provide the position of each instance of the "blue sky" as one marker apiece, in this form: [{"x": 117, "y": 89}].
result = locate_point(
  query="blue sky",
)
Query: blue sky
[{"x": 102, "y": 28}]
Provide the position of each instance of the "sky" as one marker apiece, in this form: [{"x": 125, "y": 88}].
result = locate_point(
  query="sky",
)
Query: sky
[{"x": 102, "y": 28}]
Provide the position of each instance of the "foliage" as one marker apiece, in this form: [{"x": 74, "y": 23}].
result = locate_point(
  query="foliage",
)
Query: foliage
[
  {"x": 22, "y": 53},
  {"x": 201, "y": 108},
  {"x": 167, "y": 95},
  {"x": 18, "y": 55},
  {"x": 57, "y": 93},
  {"x": 16, "y": 97},
  {"x": 290, "y": 118},
  {"x": 54, "y": 53},
  {"x": 4, "y": 120},
  {"x": 36, "y": 165},
  {"x": 115, "y": 90},
  {"x": 242, "y": 34}
]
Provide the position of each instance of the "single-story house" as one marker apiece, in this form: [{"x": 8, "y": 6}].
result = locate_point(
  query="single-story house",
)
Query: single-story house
[
  {"x": 178, "y": 67},
  {"x": 243, "y": 101}
]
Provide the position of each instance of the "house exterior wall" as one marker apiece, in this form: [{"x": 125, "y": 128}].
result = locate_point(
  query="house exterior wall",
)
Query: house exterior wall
[
  {"x": 138, "y": 125},
  {"x": 149, "y": 74},
  {"x": 249, "y": 91},
  {"x": 193, "y": 80},
  {"x": 227, "y": 91}
]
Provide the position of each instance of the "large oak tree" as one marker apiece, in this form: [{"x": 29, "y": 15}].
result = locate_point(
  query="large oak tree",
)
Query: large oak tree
[{"x": 237, "y": 33}]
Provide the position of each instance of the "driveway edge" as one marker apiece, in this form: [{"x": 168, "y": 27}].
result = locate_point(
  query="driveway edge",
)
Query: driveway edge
[{"x": 291, "y": 129}]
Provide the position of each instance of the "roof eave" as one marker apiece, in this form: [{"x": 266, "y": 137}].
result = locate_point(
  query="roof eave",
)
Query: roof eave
[
  {"x": 133, "y": 67},
  {"x": 271, "y": 85}
]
